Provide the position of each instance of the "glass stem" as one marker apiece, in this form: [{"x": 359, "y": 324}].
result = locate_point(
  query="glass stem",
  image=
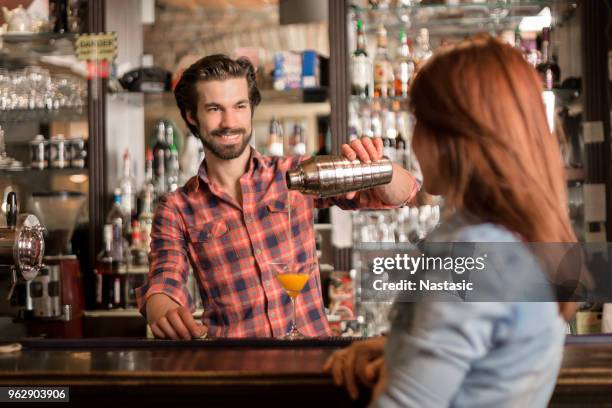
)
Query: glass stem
[{"x": 294, "y": 320}]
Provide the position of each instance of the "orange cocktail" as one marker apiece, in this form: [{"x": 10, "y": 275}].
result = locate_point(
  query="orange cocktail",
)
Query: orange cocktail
[
  {"x": 293, "y": 283},
  {"x": 292, "y": 277}
]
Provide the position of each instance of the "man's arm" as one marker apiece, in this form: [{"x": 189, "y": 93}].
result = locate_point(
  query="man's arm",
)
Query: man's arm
[
  {"x": 401, "y": 190},
  {"x": 164, "y": 299}
]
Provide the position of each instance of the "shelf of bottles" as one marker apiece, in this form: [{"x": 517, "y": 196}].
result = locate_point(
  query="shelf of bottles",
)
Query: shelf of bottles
[
  {"x": 378, "y": 106},
  {"x": 15, "y": 46},
  {"x": 450, "y": 17},
  {"x": 35, "y": 31},
  {"x": 122, "y": 266},
  {"x": 389, "y": 41}
]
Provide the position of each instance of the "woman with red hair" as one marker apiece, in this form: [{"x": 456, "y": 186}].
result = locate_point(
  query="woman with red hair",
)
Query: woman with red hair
[{"x": 483, "y": 143}]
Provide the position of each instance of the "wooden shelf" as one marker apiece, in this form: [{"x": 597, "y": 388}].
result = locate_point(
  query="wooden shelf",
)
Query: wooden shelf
[
  {"x": 44, "y": 115},
  {"x": 28, "y": 172},
  {"x": 457, "y": 20}
]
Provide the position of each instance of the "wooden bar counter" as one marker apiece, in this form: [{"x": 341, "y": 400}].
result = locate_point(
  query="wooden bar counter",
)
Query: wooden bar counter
[{"x": 255, "y": 372}]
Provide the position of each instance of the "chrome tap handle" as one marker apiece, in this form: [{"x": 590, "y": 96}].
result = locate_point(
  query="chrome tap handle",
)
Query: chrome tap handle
[{"x": 11, "y": 210}]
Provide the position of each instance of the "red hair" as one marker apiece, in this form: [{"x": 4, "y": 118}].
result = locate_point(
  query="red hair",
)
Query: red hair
[{"x": 481, "y": 102}]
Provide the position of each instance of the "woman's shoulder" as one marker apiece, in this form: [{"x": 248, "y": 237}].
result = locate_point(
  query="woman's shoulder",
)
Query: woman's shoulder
[
  {"x": 485, "y": 232},
  {"x": 461, "y": 227},
  {"x": 509, "y": 270}
]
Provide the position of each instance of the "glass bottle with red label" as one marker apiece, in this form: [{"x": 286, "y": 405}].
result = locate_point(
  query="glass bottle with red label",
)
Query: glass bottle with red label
[{"x": 383, "y": 70}]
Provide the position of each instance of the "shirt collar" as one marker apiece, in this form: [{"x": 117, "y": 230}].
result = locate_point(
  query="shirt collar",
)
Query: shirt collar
[{"x": 255, "y": 161}]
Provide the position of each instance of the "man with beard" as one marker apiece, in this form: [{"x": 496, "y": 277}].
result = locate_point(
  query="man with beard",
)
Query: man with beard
[{"x": 231, "y": 220}]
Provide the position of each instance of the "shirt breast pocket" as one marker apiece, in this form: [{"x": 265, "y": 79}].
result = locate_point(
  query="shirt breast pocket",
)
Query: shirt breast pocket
[
  {"x": 276, "y": 227},
  {"x": 207, "y": 232},
  {"x": 207, "y": 242}
]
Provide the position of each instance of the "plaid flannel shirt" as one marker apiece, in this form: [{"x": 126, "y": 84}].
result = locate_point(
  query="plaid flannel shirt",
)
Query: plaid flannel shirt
[{"x": 230, "y": 246}]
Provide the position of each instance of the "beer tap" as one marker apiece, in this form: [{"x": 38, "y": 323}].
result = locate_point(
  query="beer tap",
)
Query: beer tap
[{"x": 22, "y": 246}]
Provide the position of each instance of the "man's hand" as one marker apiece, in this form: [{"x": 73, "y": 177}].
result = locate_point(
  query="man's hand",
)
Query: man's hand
[
  {"x": 168, "y": 320},
  {"x": 402, "y": 185},
  {"x": 362, "y": 361},
  {"x": 366, "y": 150}
]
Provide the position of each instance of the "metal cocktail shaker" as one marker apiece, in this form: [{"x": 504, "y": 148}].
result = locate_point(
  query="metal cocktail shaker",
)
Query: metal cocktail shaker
[{"x": 327, "y": 176}]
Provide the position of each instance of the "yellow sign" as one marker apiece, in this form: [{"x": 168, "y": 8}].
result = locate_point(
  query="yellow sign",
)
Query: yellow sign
[{"x": 96, "y": 47}]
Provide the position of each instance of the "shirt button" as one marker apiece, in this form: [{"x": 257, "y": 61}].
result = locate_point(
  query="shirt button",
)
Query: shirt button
[
  {"x": 248, "y": 219},
  {"x": 257, "y": 251}
]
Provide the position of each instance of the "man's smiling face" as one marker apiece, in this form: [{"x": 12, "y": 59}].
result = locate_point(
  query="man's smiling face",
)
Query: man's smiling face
[{"x": 223, "y": 116}]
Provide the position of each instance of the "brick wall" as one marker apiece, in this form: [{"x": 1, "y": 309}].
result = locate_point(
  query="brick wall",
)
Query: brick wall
[{"x": 180, "y": 36}]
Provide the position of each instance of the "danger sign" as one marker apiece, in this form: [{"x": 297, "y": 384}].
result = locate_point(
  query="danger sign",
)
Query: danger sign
[{"x": 96, "y": 47}]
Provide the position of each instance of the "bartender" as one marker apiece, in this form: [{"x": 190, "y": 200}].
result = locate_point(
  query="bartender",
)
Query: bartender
[{"x": 231, "y": 220}]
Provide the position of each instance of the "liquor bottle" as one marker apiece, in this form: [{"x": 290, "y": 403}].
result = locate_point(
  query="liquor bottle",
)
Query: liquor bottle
[
  {"x": 383, "y": 70},
  {"x": 366, "y": 121},
  {"x": 361, "y": 65},
  {"x": 402, "y": 147},
  {"x": 298, "y": 142},
  {"x": 117, "y": 219},
  {"x": 146, "y": 218},
  {"x": 532, "y": 55},
  {"x": 137, "y": 248},
  {"x": 168, "y": 149},
  {"x": 149, "y": 180},
  {"x": 518, "y": 40},
  {"x": 423, "y": 50},
  {"x": 173, "y": 169},
  {"x": 404, "y": 67},
  {"x": 548, "y": 96},
  {"x": 402, "y": 151},
  {"x": 159, "y": 158},
  {"x": 128, "y": 191},
  {"x": 548, "y": 69},
  {"x": 107, "y": 267},
  {"x": 116, "y": 291},
  {"x": 275, "y": 139},
  {"x": 376, "y": 120},
  {"x": 389, "y": 135},
  {"x": 354, "y": 124},
  {"x": 58, "y": 12}
]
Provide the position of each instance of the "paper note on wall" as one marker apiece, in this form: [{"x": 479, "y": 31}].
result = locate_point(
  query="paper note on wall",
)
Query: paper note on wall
[
  {"x": 593, "y": 132},
  {"x": 594, "y": 202}
]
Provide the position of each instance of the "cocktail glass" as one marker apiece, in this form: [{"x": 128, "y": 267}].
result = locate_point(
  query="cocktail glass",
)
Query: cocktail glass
[{"x": 293, "y": 277}]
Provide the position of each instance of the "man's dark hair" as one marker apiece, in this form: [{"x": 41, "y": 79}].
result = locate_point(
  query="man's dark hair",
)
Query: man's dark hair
[{"x": 216, "y": 67}]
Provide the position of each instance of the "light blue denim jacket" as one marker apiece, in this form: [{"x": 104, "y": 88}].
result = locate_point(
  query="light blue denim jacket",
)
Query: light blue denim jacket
[{"x": 474, "y": 354}]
